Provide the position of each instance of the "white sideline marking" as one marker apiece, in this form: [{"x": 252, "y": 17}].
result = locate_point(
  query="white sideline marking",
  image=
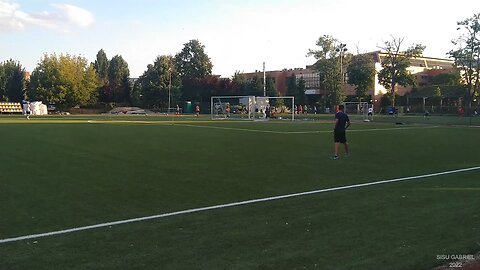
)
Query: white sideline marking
[
  {"x": 246, "y": 129},
  {"x": 300, "y": 132},
  {"x": 201, "y": 209}
]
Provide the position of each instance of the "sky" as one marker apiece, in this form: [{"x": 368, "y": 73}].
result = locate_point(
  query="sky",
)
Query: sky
[{"x": 238, "y": 35}]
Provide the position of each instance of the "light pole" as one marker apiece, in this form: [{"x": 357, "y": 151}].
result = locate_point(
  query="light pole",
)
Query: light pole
[
  {"x": 264, "y": 82},
  {"x": 169, "y": 88},
  {"x": 341, "y": 49}
]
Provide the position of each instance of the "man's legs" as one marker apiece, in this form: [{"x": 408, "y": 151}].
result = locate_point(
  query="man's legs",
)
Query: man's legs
[{"x": 346, "y": 148}]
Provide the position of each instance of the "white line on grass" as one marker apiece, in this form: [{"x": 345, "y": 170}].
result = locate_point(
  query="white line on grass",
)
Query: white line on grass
[
  {"x": 182, "y": 124},
  {"x": 300, "y": 132},
  {"x": 201, "y": 209}
]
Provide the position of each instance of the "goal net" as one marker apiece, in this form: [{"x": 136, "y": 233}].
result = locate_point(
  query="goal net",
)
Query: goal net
[
  {"x": 252, "y": 108},
  {"x": 232, "y": 107},
  {"x": 274, "y": 108},
  {"x": 359, "y": 108}
]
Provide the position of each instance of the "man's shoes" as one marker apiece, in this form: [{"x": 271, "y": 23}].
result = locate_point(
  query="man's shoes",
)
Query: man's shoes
[{"x": 334, "y": 157}]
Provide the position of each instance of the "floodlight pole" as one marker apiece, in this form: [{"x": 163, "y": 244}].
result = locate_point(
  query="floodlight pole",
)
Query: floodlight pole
[
  {"x": 342, "y": 50},
  {"x": 169, "y": 88},
  {"x": 264, "y": 81}
]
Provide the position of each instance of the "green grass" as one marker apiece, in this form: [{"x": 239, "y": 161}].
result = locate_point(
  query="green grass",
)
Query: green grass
[{"x": 63, "y": 172}]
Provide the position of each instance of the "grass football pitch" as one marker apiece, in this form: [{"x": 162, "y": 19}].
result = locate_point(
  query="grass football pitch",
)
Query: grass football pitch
[{"x": 61, "y": 173}]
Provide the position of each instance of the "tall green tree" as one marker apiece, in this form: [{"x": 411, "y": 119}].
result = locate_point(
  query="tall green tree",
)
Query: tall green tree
[
  {"x": 394, "y": 65},
  {"x": 361, "y": 73},
  {"x": 119, "y": 88},
  {"x": 292, "y": 89},
  {"x": 467, "y": 55},
  {"x": 12, "y": 81},
  {"x": 446, "y": 79},
  {"x": 256, "y": 87},
  {"x": 271, "y": 87},
  {"x": 64, "y": 80},
  {"x": 239, "y": 84},
  {"x": 331, "y": 62},
  {"x": 301, "y": 98},
  {"x": 192, "y": 62},
  {"x": 156, "y": 81},
  {"x": 101, "y": 66},
  {"x": 437, "y": 96},
  {"x": 271, "y": 90}
]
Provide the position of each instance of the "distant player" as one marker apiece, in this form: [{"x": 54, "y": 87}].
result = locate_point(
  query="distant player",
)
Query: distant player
[
  {"x": 370, "y": 113},
  {"x": 26, "y": 110},
  {"x": 342, "y": 122},
  {"x": 197, "y": 110},
  {"x": 426, "y": 114},
  {"x": 227, "y": 110}
]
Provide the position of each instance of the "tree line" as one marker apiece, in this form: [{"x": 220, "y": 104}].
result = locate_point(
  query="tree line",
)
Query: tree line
[
  {"x": 336, "y": 66},
  {"x": 68, "y": 80}
]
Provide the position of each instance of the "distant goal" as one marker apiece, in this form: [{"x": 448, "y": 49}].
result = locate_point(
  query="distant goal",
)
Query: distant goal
[
  {"x": 252, "y": 108},
  {"x": 360, "y": 108}
]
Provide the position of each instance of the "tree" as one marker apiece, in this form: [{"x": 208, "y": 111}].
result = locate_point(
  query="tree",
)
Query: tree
[
  {"x": 446, "y": 79},
  {"x": 331, "y": 57},
  {"x": 394, "y": 65},
  {"x": 361, "y": 73},
  {"x": 101, "y": 66},
  {"x": 153, "y": 86},
  {"x": 118, "y": 88},
  {"x": 301, "y": 97},
  {"x": 12, "y": 81},
  {"x": 271, "y": 87},
  {"x": 256, "y": 87},
  {"x": 292, "y": 88},
  {"x": 192, "y": 62},
  {"x": 437, "y": 96},
  {"x": 467, "y": 55},
  {"x": 64, "y": 80},
  {"x": 239, "y": 84}
]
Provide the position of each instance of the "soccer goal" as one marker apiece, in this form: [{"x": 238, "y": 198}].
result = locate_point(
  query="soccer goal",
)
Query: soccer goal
[
  {"x": 252, "y": 108},
  {"x": 274, "y": 108},
  {"x": 359, "y": 108},
  {"x": 232, "y": 107}
]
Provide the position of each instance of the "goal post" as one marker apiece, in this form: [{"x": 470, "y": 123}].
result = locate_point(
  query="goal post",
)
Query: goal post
[
  {"x": 359, "y": 108},
  {"x": 252, "y": 108},
  {"x": 232, "y": 107},
  {"x": 275, "y": 108}
]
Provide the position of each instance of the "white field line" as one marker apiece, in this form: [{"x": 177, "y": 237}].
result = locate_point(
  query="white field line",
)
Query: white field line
[
  {"x": 246, "y": 129},
  {"x": 233, "y": 204},
  {"x": 300, "y": 132}
]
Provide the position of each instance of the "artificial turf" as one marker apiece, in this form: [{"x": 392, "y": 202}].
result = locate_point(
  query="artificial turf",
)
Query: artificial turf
[{"x": 60, "y": 173}]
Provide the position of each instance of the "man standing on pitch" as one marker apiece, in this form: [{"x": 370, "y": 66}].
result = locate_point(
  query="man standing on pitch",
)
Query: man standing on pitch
[{"x": 342, "y": 122}]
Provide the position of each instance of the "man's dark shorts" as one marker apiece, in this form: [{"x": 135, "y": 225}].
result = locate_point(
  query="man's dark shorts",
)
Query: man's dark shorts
[{"x": 339, "y": 137}]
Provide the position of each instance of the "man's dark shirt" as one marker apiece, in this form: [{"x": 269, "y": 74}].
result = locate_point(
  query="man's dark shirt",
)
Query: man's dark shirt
[{"x": 342, "y": 121}]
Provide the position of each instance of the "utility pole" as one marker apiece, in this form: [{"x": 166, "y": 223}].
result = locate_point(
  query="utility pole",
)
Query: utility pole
[
  {"x": 342, "y": 50},
  {"x": 169, "y": 88},
  {"x": 264, "y": 81}
]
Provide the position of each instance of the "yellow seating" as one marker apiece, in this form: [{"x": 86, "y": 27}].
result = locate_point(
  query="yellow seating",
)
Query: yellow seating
[{"x": 10, "y": 107}]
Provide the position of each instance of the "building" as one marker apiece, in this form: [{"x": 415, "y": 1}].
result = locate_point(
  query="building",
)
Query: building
[
  {"x": 422, "y": 67},
  {"x": 280, "y": 77}
]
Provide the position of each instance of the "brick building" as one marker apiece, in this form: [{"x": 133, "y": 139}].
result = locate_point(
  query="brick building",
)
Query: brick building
[{"x": 422, "y": 67}]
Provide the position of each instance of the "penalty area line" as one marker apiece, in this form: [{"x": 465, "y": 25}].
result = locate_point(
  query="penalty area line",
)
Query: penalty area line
[{"x": 228, "y": 205}]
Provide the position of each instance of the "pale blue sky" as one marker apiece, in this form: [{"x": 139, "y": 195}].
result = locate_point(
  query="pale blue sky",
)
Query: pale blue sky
[{"x": 238, "y": 35}]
